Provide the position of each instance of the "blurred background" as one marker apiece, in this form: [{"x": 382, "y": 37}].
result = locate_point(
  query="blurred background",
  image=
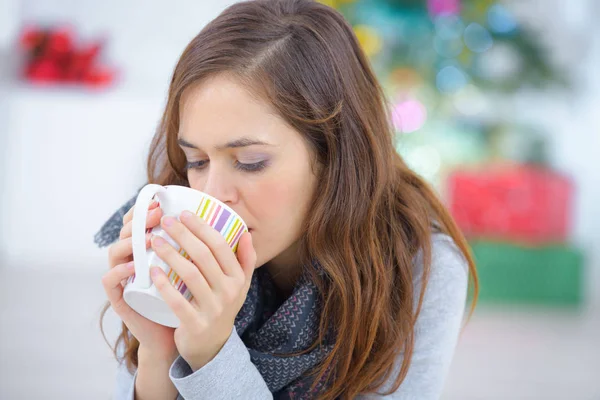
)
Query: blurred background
[{"x": 496, "y": 103}]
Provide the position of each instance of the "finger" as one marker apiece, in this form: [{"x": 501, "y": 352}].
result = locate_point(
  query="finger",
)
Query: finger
[
  {"x": 188, "y": 272},
  {"x": 180, "y": 306},
  {"x": 111, "y": 282},
  {"x": 216, "y": 243},
  {"x": 122, "y": 251},
  {"x": 129, "y": 214},
  {"x": 152, "y": 220},
  {"x": 199, "y": 253},
  {"x": 246, "y": 255}
]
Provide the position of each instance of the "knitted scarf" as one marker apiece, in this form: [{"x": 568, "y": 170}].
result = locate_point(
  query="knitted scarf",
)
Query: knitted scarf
[{"x": 272, "y": 328}]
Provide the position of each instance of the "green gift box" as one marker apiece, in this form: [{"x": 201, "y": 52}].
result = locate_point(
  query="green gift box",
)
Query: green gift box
[{"x": 511, "y": 273}]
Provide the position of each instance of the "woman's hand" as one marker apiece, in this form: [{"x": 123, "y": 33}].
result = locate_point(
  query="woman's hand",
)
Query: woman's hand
[
  {"x": 217, "y": 279},
  {"x": 154, "y": 338}
]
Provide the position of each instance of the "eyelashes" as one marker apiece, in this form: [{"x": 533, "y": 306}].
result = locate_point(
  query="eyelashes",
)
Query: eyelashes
[
  {"x": 195, "y": 165},
  {"x": 254, "y": 167}
]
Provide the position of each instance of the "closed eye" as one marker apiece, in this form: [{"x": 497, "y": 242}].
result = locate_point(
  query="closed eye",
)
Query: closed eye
[
  {"x": 254, "y": 167},
  {"x": 195, "y": 164}
]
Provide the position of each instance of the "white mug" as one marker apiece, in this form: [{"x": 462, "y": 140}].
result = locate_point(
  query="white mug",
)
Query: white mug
[{"x": 140, "y": 292}]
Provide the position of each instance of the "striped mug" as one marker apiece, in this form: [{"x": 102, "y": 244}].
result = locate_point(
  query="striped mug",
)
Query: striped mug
[{"x": 140, "y": 293}]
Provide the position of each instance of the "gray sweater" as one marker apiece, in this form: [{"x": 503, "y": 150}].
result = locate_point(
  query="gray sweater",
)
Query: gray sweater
[{"x": 231, "y": 374}]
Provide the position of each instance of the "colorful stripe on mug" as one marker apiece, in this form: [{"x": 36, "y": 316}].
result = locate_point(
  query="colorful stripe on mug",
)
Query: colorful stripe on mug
[
  {"x": 222, "y": 220},
  {"x": 179, "y": 284}
]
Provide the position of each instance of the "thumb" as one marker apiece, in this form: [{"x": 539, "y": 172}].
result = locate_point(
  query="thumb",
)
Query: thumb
[{"x": 247, "y": 255}]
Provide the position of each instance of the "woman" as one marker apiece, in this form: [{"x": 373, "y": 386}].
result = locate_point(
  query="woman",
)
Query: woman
[{"x": 361, "y": 274}]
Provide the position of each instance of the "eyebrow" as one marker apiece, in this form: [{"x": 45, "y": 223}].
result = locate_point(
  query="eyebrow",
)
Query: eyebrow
[{"x": 241, "y": 142}]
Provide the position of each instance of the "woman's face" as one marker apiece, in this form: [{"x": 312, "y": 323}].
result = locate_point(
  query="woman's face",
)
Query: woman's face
[{"x": 239, "y": 151}]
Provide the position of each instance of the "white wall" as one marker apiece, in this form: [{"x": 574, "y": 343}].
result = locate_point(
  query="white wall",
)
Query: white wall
[{"x": 71, "y": 159}]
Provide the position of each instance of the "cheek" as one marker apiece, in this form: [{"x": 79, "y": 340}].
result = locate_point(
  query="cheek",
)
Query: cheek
[
  {"x": 278, "y": 201},
  {"x": 277, "y": 208},
  {"x": 271, "y": 199}
]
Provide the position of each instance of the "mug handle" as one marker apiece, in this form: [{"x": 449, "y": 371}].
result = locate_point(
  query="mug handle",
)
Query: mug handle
[{"x": 138, "y": 234}]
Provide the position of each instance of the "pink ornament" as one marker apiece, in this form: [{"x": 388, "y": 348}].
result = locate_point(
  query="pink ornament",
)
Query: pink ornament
[
  {"x": 438, "y": 7},
  {"x": 409, "y": 116}
]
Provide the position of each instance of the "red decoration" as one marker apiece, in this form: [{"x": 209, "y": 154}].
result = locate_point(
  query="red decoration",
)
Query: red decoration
[
  {"x": 53, "y": 57},
  {"x": 525, "y": 204}
]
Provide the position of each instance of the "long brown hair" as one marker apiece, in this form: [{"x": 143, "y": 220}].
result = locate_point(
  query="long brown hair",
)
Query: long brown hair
[{"x": 371, "y": 214}]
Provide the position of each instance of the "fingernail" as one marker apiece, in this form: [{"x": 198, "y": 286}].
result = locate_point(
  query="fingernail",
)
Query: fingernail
[
  {"x": 155, "y": 271},
  {"x": 168, "y": 221},
  {"x": 158, "y": 241},
  {"x": 130, "y": 265},
  {"x": 186, "y": 215},
  {"x": 154, "y": 203}
]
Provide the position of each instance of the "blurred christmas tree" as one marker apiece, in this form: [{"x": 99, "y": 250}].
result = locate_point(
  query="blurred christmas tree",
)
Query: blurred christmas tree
[
  {"x": 443, "y": 64},
  {"x": 450, "y": 67}
]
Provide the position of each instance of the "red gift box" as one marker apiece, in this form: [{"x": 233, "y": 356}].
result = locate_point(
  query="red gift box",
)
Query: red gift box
[{"x": 518, "y": 203}]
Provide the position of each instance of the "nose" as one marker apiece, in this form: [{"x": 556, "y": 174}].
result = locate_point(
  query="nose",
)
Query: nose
[{"x": 219, "y": 185}]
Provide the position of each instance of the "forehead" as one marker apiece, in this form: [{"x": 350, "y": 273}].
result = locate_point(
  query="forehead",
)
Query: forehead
[{"x": 220, "y": 109}]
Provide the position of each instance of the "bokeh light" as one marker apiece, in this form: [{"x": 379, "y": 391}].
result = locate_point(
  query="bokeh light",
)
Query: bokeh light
[
  {"x": 450, "y": 78},
  {"x": 425, "y": 160},
  {"x": 501, "y": 20},
  {"x": 449, "y": 27},
  {"x": 477, "y": 38},
  {"x": 409, "y": 116},
  {"x": 440, "y": 7}
]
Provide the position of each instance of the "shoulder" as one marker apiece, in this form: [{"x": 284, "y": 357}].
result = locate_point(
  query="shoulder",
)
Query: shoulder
[
  {"x": 448, "y": 270},
  {"x": 445, "y": 297},
  {"x": 438, "y": 322}
]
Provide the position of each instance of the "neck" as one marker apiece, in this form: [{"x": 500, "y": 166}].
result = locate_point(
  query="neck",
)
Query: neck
[{"x": 285, "y": 269}]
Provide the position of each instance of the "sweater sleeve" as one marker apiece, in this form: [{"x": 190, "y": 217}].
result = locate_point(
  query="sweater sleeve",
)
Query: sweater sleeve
[
  {"x": 438, "y": 325},
  {"x": 230, "y": 375}
]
